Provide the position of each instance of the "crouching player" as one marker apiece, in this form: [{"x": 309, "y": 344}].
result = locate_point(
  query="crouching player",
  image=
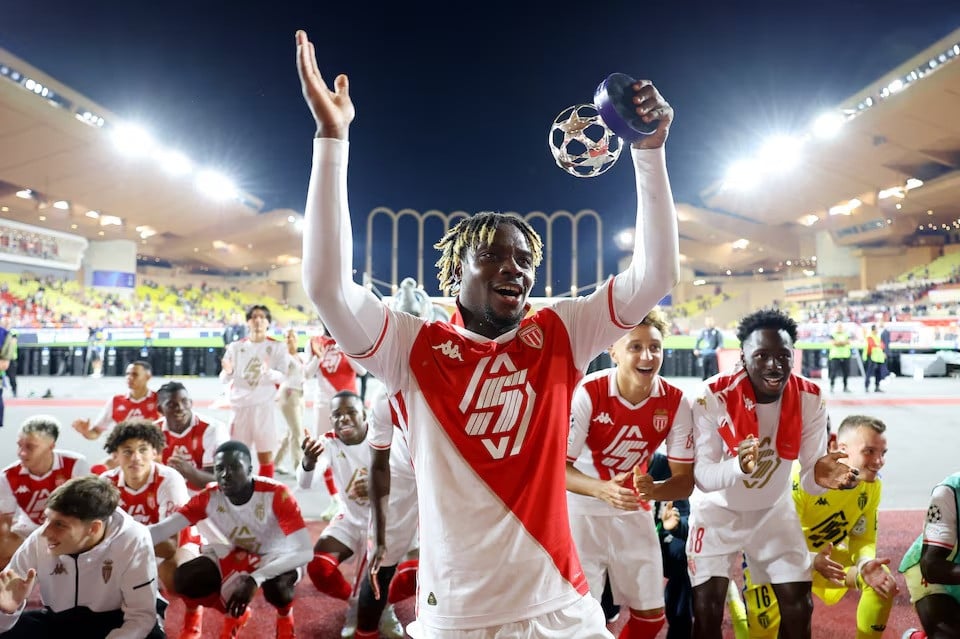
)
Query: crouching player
[
  {"x": 931, "y": 565},
  {"x": 261, "y": 542},
  {"x": 150, "y": 492},
  {"x": 341, "y": 449},
  {"x": 841, "y": 531},
  {"x": 619, "y": 417}
]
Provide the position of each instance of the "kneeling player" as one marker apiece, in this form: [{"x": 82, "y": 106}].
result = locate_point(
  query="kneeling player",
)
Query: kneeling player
[
  {"x": 262, "y": 542},
  {"x": 841, "y": 527},
  {"x": 349, "y": 531}
]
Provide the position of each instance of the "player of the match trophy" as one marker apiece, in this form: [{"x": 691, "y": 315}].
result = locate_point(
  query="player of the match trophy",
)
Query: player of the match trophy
[{"x": 586, "y": 139}]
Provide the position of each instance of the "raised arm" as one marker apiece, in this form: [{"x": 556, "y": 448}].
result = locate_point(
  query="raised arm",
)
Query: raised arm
[
  {"x": 353, "y": 314},
  {"x": 655, "y": 266}
]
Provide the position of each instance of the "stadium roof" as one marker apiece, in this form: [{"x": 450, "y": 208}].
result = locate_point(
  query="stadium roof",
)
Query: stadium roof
[
  {"x": 61, "y": 167},
  {"x": 888, "y": 175},
  {"x": 875, "y": 169}
]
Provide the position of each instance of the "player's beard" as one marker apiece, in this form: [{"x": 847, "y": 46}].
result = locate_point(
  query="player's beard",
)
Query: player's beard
[{"x": 502, "y": 323}]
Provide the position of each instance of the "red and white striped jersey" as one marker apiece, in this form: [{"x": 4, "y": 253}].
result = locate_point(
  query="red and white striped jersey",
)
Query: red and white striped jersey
[
  {"x": 122, "y": 407},
  {"x": 26, "y": 493},
  {"x": 487, "y": 424},
  {"x": 164, "y": 492},
  {"x": 609, "y": 435},
  {"x": 261, "y": 526},
  {"x": 198, "y": 442}
]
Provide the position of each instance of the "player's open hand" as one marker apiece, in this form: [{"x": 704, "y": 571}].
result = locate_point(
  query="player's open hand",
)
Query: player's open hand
[
  {"x": 312, "y": 449},
  {"x": 669, "y": 516},
  {"x": 332, "y": 110},
  {"x": 830, "y": 473},
  {"x": 831, "y": 570},
  {"x": 651, "y": 106},
  {"x": 15, "y": 589},
  {"x": 747, "y": 453},
  {"x": 876, "y": 575}
]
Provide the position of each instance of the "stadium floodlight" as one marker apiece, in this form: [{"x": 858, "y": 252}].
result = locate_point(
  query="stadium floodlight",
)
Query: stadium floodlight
[
  {"x": 24, "y": 194},
  {"x": 110, "y": 220},
  {"x": 548, "y": 290},
  {"x": 216, "y": 185},
  {"x": 810, "y": 219},
  {"x": 845, "y": 208},
  {"x": 699, "y": 282},
  {"x": 63, "y": 205},
  {"x": 132, "y": 140},
  {"x": 93, "y": 215},
  {"x": 809, "y": 272},
  {"x": 624, "y": 240},
  {"x": 741, "y": 244},
  {"x": 780, "y": 153},
  {"x": 913, "y": 183},
  {"x": 893, "y": 191},
  {"x": 827, "y": 125},
  {"x": 742, "y": 175},
  {"x": 895, "y": 86},
  {"x": 174, "y": 162}
]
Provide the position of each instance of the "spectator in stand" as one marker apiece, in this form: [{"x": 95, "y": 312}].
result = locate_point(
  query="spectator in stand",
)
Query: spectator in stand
[{"x": 709, "y": 342}]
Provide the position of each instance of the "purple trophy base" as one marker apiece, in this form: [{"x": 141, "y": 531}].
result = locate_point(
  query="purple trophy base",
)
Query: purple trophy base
[{"x": 614, "y": 100}]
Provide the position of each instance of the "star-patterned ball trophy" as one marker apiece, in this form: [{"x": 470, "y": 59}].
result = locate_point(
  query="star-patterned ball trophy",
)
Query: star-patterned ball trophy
[{"x": 586, "y": 139}]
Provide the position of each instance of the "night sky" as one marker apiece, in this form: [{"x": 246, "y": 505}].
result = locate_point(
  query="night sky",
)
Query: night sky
[{"x": 455, "y": 99}]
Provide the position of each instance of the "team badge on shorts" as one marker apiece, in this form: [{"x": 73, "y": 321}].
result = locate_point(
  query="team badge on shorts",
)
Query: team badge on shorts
[
  {"x": 106, "y": 570},
  {"x": 532, "y": 336}
]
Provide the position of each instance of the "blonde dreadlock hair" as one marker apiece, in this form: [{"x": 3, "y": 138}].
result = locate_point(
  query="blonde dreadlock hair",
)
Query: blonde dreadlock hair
[{"x": 470, "y": 233}]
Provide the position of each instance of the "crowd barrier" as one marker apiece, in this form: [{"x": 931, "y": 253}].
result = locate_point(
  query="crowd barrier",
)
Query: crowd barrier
[{"x": 205, "y": 361}]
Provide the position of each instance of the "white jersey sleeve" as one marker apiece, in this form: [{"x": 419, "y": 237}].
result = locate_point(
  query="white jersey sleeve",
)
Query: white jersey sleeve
[
  {"x": 813, "y": 441},
  {"x": 104, "y": 419},
  {"x": 172, "y": 492},
  {"x": 8, "y": 503},
  {"x": 580, "y": 410},
  {"x": 940, "y": 528},
  {"x": 380, "y": 424},
  {"x": 679, "y": 439},
  {"x": 81, "y": 467},
  {"x": 216, "y": 434},
  {"x": 139, "y": 588}
]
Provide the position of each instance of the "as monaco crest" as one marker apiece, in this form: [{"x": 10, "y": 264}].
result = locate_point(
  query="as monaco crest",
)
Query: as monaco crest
[
  {"x": 106, "y": 570},
  {"x": 660, "y": 420},
  {"x": 532, "y": 336}
]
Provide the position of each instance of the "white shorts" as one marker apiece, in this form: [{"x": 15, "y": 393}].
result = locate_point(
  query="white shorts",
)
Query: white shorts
[
  {"x": 256, "y": 426},
  {"x": 771, "y": 539},
  {"x": 401, "y": 533},
  {"x": 581, "y": 620},
  {"x": 625, "y": 548}
]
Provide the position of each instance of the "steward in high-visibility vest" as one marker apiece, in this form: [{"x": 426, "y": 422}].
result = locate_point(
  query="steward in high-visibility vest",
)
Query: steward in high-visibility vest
[
  {"x": 875, "y": 358},
  {"x": 839, "y": 355}
]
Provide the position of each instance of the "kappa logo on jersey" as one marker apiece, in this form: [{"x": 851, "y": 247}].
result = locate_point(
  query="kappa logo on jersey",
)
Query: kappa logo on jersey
[
  {"x": 181, "y": 451},
  {"x": 532, "y": 336},
  {"x": 832, "y": 529},
  {"x": 450, "y": 349},
  {"x": 22, "y": 489},
  {"x": 626, "y": 450},
  {"x": 603, "y": 418},
  {"x": 498, "y": 402}
]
